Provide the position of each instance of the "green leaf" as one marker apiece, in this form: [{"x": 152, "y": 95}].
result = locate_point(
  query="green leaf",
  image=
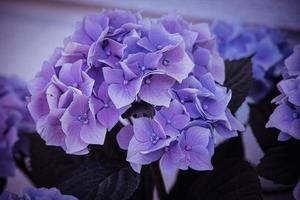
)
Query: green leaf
[
  {"x": 281, "y": 164},
  {"x": 49, "y": 164},
  {"x": 239, "y": 80},
  {"x": 101, "y": 180}
]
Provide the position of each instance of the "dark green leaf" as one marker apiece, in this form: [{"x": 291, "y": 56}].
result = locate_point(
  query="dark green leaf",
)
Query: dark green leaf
[
  {"x": 103, "y": 180},
  {"x": 234, "y": 179},
  {"x": 146, "y": 187},
  {"x": 239, "y": 80},
  {"x": 2, "y": 184},
  {"x": 49, "y": 164},
  {"x": 259, "y": 116},
  {"x": 281, "y": 164},
  {"x": 231, "y": 148},
  {"x": 139, "y": 109},
  {"x": 110, "y": 149}
]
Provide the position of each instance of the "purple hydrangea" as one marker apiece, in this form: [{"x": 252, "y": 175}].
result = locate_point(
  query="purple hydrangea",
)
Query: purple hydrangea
[
  {"x": 286, "y": 117},
  {"x": 268, "y": 47},
  {"x": 14, "y": 118},
  {"x": 36, "y": 194},
  {"x": 117, "y": 58},
  {"x": 296, "y": 191},
  {"x": 148, "y": 141}
]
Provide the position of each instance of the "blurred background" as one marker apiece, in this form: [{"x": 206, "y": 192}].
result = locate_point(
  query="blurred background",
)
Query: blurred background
[{"x": 31, "y": 29}]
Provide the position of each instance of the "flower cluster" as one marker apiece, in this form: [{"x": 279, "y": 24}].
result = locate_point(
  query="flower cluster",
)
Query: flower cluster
[
  {"x": 118, "y": 58},
  {"x": 14, "y": 117},
  {"x": 269, "y": 47},
  {"x": 296, "y": 192},
  {"x": 36, "y": 194},
  {"x": 182, "y": 135},
  {"x": 286, "y": 117}
]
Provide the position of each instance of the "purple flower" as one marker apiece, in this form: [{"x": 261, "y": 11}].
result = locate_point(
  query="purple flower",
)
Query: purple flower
[
  {"x": 267, "y": 54},
  {"x": 234, "y": 42},
  {"x": 158, "y": 39},
  {"x": 143, "y": 63},
  {"x": 124, "y": 136},
  {"x": 123, "y": 87},
  {"x": 155, "y": 89},
  {"x": 174, "y": 23},
  {"x": 148, "y": 141},
  {"x": 286, "y": 117},
  {"x": 37, "y": 193},
  {"x": 131, "y": 45},
  {"x": 269, "y": 47},
  {"x": 8, "y": 137},
  {"x": 291, "y": 89},
  {"x": 73, "y": 76},
  {"x": 173, "y": 119},
  {"x": 72, "y": 52},
  {"x": 120, "y": 19},
  {"x": 14, "y": 119},
  {"x": 194, "y": 142},
  {"x": 229, "y": 126},
  {"x": 296, "y": 192},
  {"x": 207, "y": 61},
  {"x": 42, "y": 78},
  {"x": 91, "y": 28},
  {"x": 116, "y": 59},
  {"x": 176, "y": 63},
  {"x": 204, "y": 99},
  {"x": 292, "y": 63},
  {"x": 107, "y": 52},
  {"x": 80, "y": 126},
  {"x": 172, "y": 155},
  {"x": 106, "y": 112}
]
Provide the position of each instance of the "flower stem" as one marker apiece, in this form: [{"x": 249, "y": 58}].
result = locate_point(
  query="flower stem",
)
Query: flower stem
[{"x": 158, "y": 180}]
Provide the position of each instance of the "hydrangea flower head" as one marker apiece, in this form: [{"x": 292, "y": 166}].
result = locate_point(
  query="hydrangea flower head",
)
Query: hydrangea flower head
[
  {"x": 36, "y": 194},
  {"x": 268, "y": 48},
  {"x": 116, "y": 59},
  {"x": 286, "y": 117},
  {"x": 14, "y": 118}
]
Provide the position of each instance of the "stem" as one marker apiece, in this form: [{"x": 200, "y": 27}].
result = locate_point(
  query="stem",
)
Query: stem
[{"x": 158, "y": 180}]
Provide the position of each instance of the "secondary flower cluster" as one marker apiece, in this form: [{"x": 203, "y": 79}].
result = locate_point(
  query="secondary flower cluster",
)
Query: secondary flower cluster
[
  {"x": 118, "y": 58},
  {"x": 14, "y": 117},
  {"x": 269, "y": 47},
  {"x": 286, "y": 117},
  {"x": 37, "y": 194}
]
